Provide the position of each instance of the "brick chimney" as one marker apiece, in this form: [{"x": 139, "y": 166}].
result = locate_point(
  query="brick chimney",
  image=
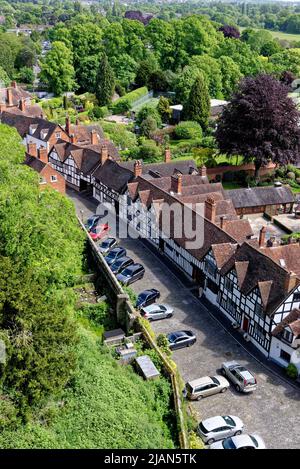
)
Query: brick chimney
[
  {"x": 31, "y": 149},
  {"x": 137, "y": 168},
  {"x": 222, "y": 222},
  {"x": 291, "y": 280},
  {"x": 73, "y": 138},
  {"x": 68, "y": 125},
  {"x": 262, "y": 237},
  {"x": 176, "y": 183},
  {"x": 104, "y": 154},
  {"x": 9, "y": 97},
  {"x": 167, "y": 155},
  {"x": 203, "y": 171},
  {"x": 210, "y": 209},
  {"x": 43, "y": 154},
  {"x": 14, "y": 84},
  {"x": 22, "y": 105},
  {"x": 2, "y": 108},
  {"x": 94, "y": 138}
]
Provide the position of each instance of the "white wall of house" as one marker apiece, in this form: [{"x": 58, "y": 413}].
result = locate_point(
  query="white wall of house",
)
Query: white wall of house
[{"x": 278, "y": 350}]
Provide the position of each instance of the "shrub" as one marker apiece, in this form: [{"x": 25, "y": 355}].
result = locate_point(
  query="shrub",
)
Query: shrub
[
  {"x": 163, "y": 344},
  {"x": 188, "y": 129},
  {"x": 145, "y": 324},
  {"x": 122, "y": 106},
  {"x": 209, "y": 142},
  {"x": 291, "y": 175},
  {"x": 149, "y": 151},
  {"x": 195, "y": 441},
  {"x": 131, "y": 97},
  {"x": 292, "y": 371},
  {"x": 148, "y": 111}
]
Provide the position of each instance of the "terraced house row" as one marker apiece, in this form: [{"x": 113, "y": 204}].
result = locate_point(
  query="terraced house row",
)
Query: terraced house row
[{"x": 254, "y": 281}]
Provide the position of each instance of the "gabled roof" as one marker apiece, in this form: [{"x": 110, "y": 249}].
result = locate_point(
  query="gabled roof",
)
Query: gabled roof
[
  {"x": 253, "y": 268},
  {"x": 238, "y": 229},
  {"x": 287, "y": 256},
  {"x": 23, "y": 123},
  {"x": 112, "y": 175},
  {"x": 259, "y": 196},
  {"x": 35, "y": 163},
  {"x": 292, "y": 320},
  {"x": 222, "y": 252},
  {"x": 17, "y": 94}
]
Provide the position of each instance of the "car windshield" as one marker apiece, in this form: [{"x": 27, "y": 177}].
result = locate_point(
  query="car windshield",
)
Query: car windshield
[
  {"x": 163, "y": 308},
  {"x": 229, "y": 421},
  {"x": 106, "y": 244},
  {"x": 214, "y": 380},
  {"x": 119, "y": 262},
  {"x": 143, "y": 296},
  {"x": 172, "y": 337},
  {"x": 254, "y": 441},
  {"x": 228, "y": 444},
  {"x": 127, "y": 272},
  {"x": 202, "y": 428},
  {"x": 112, "y": 254}
]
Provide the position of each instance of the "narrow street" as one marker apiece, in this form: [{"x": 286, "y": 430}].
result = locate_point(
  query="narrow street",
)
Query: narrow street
[{"x": 272, "y": 411}]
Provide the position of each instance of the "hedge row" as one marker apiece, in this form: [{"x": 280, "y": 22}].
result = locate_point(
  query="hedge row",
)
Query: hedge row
[{"x": 129, "y": 99}]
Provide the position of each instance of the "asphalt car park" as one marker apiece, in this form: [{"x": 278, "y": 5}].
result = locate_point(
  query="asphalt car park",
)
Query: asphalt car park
[{"x": 271, "y": 411}]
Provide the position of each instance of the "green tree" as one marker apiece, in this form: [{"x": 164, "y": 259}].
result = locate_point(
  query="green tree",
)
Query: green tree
[
  {"x": 4, "y": 78},
  {"x": 184, "y": 81},
  {"x": 211, "y": 71},
  {"x": 57, "y": 70},
  {"x": 26, "y": 75},
  {"x": 105, "y": 82},
  {"x": 164, "y": 109},
  {"x": 148, "y": 111},
  {"x": 197, "y": 107},
  {"x": 148, "y": 126},
  {"x": 231, "y": 75}
]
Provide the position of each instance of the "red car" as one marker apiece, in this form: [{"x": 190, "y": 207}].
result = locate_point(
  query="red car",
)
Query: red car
[{"x": 99, "y": 231}]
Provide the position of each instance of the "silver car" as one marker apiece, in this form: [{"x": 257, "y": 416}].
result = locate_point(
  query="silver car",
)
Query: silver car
[
  {"x": 207, "y": 386},
  {"x": 157, "y": 311},
  {"x": 107, "y": 245},
  {"x": 219, "y": 427},
  {"x": 243, "y": 380},
  {"x": 240, "y": 442}
]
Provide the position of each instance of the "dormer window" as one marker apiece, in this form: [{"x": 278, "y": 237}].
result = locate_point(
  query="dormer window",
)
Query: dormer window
[
  {"x": 287, "y": 335},
  {"x": 57, "y": 135},
  {"x": 44, "y": 133},
  {"x": 32, "y": 128}
]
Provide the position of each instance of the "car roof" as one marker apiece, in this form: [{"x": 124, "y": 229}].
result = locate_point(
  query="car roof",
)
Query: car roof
[
  {"x": 242, "y": 440},
  {"x": 200, "y": 381},
  {"x": 134, "y": 266},
  {"x": 231, "y": 363},
  {"x": 214, "y": 422},
  {"x": 123, "y": 259},
  {"x": 108, "y": 240},
  {"x": 246, "y": 374},
  {"x": 116, "y": 249}
]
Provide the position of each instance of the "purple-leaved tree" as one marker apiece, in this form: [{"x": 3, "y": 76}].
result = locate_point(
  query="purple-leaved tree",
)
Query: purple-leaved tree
[
  {"x": 261, "y": 123},
  {"x": 230, "y": 31}
]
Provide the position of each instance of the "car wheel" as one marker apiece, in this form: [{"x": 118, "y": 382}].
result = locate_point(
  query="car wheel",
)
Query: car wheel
[
  {"x": 223, "y": 390},
  {"x": 223, "y": 372},
  {"x": 211, "y": 441},
  {"x": 199, "y": 397},
  {"x": 170, "y": 315},
  {"x": 239, "y": 432},
  {"x": 238, "y": 388}
]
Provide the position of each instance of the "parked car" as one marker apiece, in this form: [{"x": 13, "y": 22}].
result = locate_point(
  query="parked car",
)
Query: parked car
[
  {"x": 180, "y": 339},
  {"x": 107, "y": 245},
  {"x": 243, "y": 380},
  {"x": 219, "y": 427},
  {"x": 207, "y": 386},
  {"x": 115, "y": 254},
  {"x": 99, "y": 231},
  {"x": 240, "y": 442},
  {"x": 91, "y": 221},
  {"x": 147, "y": 297},
  {"x": 131, "y": 274},
  {"x": 157, "y": 311},
  {"x": 120, "y": 264}
]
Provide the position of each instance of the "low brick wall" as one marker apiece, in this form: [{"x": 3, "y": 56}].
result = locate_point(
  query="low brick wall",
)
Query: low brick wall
[{"x": 249, "y": 168}]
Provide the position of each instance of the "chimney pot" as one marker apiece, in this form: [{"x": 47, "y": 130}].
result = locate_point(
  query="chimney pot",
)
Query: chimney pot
[
  {"x": 262, "y": 237},
  {"x": 104, "y": 154},
  {"x": 222, "y": 220},
  {"x": 167, "y": 155},
  {"x": 73, "y": 138},
  {"x": 210, "y": 209},
  {"x": 203, "y": 171},
  {"x": 176, "y": 183},
  {"x": 9, "y": 97},
  {"x": 22, "y": 105},
  {"x": 137, "y": 168},
  {"x": 43, "y": 154},
  {"x": 31, "y": 149},
  {"x": 94, "y": 138},
  {"x": 68, "y": 125}
]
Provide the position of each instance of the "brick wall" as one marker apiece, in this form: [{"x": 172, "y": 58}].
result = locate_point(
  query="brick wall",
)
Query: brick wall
[
  {"x": 249, "y": 168},
  {"x": 59, "y": 185}
]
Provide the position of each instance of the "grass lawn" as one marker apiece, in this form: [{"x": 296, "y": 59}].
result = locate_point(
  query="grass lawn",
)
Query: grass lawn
[
  {"x": 295, "y": 191},
  {"x": 279, "y": 34}
]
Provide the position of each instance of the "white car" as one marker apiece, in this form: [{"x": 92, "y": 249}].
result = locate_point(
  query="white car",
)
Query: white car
[
  {"x": 207, "y": 386},
  {"x": 157, "y": 311},
  {"x": 219, "y": 427},
  {"x": 240, "y": 442}
]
